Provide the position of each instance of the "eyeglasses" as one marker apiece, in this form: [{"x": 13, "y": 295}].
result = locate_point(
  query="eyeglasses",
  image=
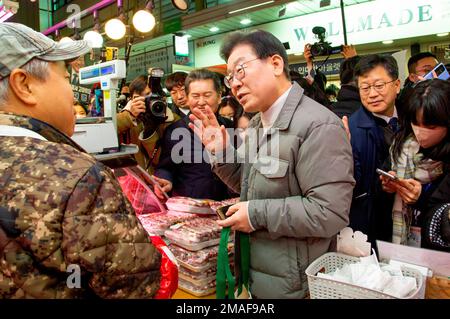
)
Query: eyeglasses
[
  {"x": 238, "y": 74},
  {"x": 379, "y": 87}
]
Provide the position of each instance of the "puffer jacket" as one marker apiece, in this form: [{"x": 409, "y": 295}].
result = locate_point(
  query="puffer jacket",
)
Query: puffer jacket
[
  {"x": 62, "y": 213},
  {"x": 300, "y": 201}
]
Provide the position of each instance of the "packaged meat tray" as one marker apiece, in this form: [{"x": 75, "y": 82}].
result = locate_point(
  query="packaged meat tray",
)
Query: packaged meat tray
[
  {"x": 197, "y": 290},
  {"x": 195, "y": 234},
  {"x": 225, "y": 202},
  {"x": 198, "y": 278},
  {"x": 158, "y": 223},
  {"x": 189, "y": 205},
  {"x": 198, "y": 261}
]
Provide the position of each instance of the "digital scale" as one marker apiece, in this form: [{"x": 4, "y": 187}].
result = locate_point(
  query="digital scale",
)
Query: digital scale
[{"x": 98, "y": 135}]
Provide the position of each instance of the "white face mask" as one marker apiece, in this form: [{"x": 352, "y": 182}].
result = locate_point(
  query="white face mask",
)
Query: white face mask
[{"x": 429, "y": 137}]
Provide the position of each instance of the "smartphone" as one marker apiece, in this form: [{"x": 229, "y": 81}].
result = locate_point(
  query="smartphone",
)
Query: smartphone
[
  {"x": 390, "y": 176},
  {"x": 221, "y": 211},
  {"x": 441, "y": 73}
]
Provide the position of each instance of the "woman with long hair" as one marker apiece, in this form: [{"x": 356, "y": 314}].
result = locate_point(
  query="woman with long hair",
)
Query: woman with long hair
[{"x": 420, "y": 161}]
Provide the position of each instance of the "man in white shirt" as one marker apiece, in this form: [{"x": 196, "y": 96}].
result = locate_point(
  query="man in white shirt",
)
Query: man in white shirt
[{"x": 294, "y": 197}]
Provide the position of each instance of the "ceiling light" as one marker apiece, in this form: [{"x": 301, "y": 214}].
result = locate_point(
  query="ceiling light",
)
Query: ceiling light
[
  {"x": 442, "y": 34},
  {"x": 115, "y": 29},
  {"x": 388, "y": 42},
  {"x": 181, "y": 5},
  {"x": 144, "y": 20},
  {"x": 65, "y": 40},
  {"x": 246, "y": 21},
  {"x": 251, "y": 7},
  {"x": 94, "y": 39},
  {"x": 214, "y": 29}
]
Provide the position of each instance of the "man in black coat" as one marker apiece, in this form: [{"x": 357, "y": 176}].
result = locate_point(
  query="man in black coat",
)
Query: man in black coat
[
  {"x": 348, "y": 99},
  {"x": 184, "y": 167}
]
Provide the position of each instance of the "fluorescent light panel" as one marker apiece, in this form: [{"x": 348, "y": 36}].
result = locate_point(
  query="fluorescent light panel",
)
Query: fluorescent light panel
[{"x": 251, "y": 7}]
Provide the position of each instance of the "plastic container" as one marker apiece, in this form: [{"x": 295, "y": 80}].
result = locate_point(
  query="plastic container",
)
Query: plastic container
[
  {"x": 200, "y": 260},
  {"x": 322, "y": 288},
  {"x": 201, "y": 278},
  {"x": 197, "y": 290},
  {"x": 190, "y": 205},
  {"x": 158, "y": 223},
  {"x": 195, "y": 234}
]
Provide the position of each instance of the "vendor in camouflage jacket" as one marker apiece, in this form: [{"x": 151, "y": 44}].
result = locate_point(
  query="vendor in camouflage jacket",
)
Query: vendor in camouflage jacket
[{"x": 66, "y": 228}]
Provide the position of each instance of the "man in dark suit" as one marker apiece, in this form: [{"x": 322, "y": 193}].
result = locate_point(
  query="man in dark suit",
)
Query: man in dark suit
[
  {"x": 372, "y": 130},
  {"x": 184, "y": 167}
]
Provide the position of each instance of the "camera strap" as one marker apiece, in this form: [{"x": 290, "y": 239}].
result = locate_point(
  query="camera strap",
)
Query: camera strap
[{"x": 154, "y": 152}]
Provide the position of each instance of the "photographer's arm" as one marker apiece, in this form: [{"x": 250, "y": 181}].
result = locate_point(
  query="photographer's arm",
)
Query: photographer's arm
[
  {"x": 348, "y": 51},
  {"x": 309, "y": 63},
  {"x": 127, "y": 118}
]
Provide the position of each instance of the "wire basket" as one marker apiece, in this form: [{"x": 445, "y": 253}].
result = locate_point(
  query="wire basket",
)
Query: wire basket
[{"x": 322, "y": 288}]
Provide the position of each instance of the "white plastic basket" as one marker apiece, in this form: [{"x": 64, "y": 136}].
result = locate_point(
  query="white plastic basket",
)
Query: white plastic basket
[{"x": 322, "y": 288}]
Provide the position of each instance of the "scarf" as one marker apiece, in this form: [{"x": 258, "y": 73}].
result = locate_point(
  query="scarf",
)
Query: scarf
[{"x": 410, "y": 164}]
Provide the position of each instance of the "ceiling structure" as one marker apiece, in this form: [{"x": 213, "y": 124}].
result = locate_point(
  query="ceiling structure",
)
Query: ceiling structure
[{"x": 197, "y": 24}]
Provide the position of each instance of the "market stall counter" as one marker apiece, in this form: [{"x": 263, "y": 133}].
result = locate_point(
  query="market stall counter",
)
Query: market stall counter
[{"x": 187, "y": 226}]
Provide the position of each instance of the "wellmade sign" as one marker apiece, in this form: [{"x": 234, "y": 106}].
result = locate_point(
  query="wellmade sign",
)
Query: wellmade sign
[{"x": 368, "y": 22}]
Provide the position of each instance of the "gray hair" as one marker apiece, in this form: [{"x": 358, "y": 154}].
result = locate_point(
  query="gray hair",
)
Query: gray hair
[{"x": 35, "y": 67}]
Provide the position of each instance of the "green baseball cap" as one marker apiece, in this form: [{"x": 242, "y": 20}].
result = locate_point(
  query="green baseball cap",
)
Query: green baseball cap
[{"x": 20, "y": 44}]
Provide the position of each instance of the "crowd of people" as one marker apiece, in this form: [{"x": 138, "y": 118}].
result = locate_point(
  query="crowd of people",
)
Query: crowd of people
[{"x": 59, "y": 206}]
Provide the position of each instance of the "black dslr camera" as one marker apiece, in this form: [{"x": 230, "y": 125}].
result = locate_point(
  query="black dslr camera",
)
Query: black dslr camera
[
  {"x": 155, "y": 106},
  {"x": 322, "y": 47}
]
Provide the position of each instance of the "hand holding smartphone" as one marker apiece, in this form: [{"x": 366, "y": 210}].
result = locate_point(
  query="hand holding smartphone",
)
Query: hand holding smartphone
[
  {"x": 221, "y": 211},
  {"x": 439, "y": 72},
  {"x": 386, "y": 174}
]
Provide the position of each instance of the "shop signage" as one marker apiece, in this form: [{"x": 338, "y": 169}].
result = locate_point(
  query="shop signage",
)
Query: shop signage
[
  {"x": 368, "y": 22},
  {"x": 163, "y": 58},
  {"x": 331, "y": 67}
]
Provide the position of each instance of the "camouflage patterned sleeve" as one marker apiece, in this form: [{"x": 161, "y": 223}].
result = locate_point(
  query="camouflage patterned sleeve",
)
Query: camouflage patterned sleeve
[{"x": 102, "y": 234}]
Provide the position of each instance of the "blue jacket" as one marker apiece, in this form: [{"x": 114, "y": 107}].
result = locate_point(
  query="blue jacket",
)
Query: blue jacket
[{"x": 371, "y": 208}]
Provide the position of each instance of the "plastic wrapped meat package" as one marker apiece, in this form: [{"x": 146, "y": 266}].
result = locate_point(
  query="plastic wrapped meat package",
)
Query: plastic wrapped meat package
[
  {"x": 200, "y": 260},
  {"x": 137, "y": 187},
  {"x": 158, "y": 223},
  {"x": 196, "y": 290},
  {"x": 225, "y": 202},
  {"x": 198, "y": 278},
  {"x": 195, "y": 234},
  {"x": 190, "y": 205}
]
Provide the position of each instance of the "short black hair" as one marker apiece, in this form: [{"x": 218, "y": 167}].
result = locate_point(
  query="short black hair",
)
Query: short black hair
[
  {"x": 264, "y": 43},
  {"x": 371, "y": 61},
  {"x": 203, "y": 74},
  {"x": 138, "y": 85},
  {"x": 347, "y": 68},
  {"x": 175, "y": 79},
  {"x": 416, "y": 58}
]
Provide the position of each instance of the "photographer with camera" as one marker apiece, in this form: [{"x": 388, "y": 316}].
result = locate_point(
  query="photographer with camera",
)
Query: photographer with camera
[{"x": 144, "y": 119}]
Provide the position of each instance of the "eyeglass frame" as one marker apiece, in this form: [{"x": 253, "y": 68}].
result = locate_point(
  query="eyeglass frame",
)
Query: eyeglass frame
[
  {"x": 228, "y": 80},
  {"x": 374, "y": 87}
]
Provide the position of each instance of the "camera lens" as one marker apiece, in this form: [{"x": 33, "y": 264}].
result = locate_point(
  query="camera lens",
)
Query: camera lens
[
  {"x": 316, "y": 49},
  {"x": 158, "y": 108}
]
